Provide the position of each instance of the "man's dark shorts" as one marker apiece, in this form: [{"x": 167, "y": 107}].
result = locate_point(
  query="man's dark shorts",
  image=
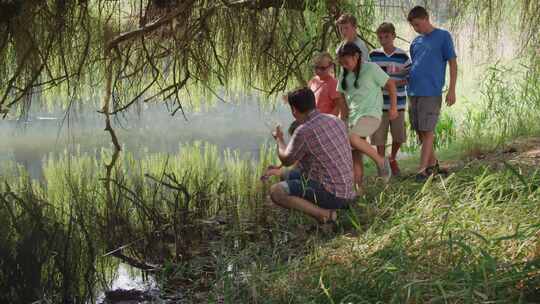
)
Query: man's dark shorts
[
  {"x": 424, "y": 112},
  {"x": 296, "y": 184}
]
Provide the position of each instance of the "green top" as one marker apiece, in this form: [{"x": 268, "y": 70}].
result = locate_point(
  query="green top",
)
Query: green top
[{"x": 367, "y": 99}]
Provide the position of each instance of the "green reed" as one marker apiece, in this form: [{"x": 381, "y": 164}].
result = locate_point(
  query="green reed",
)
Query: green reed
[
  {"x": 510, "y": 107},
  {"x": 158, "y": 200},
  {"x": 470, "y": 238}
]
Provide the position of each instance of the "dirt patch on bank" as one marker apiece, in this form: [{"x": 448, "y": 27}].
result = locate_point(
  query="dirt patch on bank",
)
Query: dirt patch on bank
[{"x": 522, "y": 152}]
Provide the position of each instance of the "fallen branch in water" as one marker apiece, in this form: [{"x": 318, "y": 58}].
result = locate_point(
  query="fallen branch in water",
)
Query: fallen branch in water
[
  {"x": 134, "y": 262},
  {"x": 112, "y": 252}
]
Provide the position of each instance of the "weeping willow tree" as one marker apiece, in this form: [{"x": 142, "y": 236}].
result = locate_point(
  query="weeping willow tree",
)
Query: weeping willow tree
[
  {"x": 155, "y": 50},
  {"x": 130, "y": 51}
]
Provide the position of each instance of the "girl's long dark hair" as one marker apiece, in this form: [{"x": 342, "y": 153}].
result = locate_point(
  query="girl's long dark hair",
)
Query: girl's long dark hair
[{"x": 350, "y": 49}]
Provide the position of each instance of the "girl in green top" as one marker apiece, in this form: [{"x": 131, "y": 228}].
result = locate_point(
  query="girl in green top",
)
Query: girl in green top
[{"x": 361, "y": 84}]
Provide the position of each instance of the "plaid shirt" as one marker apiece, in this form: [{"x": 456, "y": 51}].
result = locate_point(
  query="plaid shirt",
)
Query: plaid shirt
[{"x": 321, "y": 145}]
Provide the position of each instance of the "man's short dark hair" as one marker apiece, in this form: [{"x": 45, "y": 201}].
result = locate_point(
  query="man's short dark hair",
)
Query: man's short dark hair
[
  {"x": 417, "y": 12},
  {"x": 302, "y": 99}
]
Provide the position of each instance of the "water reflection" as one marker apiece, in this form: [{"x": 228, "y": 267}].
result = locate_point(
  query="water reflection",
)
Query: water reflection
[
  {"x": 243, "y": 127},
  {"x": 129, "y": 286}
]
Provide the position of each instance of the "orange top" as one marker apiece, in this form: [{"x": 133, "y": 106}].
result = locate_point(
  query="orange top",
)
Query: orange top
[{"x": 325, "y": 93}]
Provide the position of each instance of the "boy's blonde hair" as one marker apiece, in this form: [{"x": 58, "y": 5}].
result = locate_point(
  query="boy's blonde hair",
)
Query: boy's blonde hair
[
  {"x": 318, "y": 57},
  {"x": 386, "y": 27},
  {"x": 347, "y": 19}
]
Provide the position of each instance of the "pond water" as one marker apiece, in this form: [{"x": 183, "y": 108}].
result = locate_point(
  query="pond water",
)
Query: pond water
[
  {"x": 130, "y": 286},
  {"x": 243, "y": 127}
]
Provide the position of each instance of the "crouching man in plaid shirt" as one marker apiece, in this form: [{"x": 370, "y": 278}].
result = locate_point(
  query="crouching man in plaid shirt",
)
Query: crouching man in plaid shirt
[{"x": 323, "y": 179}]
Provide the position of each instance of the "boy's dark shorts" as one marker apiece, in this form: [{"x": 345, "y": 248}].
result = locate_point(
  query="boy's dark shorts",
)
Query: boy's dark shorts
[
  {"x": 396, "y": 126},
  {"x": 296, "y": 184},
  {"x": 424, "y": 112}
]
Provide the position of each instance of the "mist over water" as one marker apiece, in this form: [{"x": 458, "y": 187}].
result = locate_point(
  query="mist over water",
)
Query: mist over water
[{"x": 149, "y": 128}]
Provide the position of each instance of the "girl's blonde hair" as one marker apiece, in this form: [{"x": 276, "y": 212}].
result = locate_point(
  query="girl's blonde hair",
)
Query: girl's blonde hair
[{"x": 318, "y": 57}]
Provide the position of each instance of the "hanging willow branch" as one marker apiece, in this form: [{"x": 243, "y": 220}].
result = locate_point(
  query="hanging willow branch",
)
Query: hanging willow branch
[
  {"x": 105, "y": 110},
  {"x": 218, "y": 43},
  {"x": 224, "y": 43}
]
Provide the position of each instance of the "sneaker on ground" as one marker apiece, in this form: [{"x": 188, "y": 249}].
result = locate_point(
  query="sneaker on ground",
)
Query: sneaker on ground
[
  {"x": 422, "y": 176},
  {"x": 436, "y": 169}
]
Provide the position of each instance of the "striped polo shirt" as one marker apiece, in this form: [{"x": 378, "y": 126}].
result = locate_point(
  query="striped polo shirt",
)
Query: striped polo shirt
[{"x": 396, "y": 65}]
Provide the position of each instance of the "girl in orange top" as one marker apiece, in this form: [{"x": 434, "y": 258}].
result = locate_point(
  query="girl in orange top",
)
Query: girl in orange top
[{"x": 324, "y": 85}]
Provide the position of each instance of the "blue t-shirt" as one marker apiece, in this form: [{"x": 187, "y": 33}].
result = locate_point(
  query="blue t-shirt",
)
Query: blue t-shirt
[{"x": 429, "y": 54}]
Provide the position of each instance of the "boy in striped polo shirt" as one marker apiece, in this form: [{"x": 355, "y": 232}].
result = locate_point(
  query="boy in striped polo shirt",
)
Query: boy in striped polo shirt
[{"x": 395, "y": 62}]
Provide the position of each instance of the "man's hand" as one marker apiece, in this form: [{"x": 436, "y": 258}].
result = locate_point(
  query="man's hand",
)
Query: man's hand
[
  {"x": 283, "y": 155},
  {"x": 393, "y": 113},
  {"x": 272, "y": 170},
  {"x": 277, "y": 133},
  {"x": 451, "y": 98}
]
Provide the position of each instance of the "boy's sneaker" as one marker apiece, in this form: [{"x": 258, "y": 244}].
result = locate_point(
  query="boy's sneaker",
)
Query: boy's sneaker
[
  {"x": 385, "y": 172},
  {"x": 395, "y": 168},
  {"x": 422, "y": 176},
  {"x": 436, "y": 169}
]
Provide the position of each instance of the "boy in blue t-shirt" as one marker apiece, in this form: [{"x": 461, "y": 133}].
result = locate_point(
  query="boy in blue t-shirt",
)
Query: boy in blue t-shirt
[
  {"x": 396, "y": 63},
  {"x": 430, "y": 51}
]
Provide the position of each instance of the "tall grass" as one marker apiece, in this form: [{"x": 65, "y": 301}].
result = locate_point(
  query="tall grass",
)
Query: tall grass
[
  {"x": 471, "y": 238},
  {"x": 57, "y": 229},
  {"x": 47, "y": 251},
  {"x": 510, "y": 107}
]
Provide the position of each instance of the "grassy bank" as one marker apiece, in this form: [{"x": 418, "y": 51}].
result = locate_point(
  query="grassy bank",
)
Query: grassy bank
[
  {"x": 473, "y": 237},
  {"x": 468, "y": 238}
]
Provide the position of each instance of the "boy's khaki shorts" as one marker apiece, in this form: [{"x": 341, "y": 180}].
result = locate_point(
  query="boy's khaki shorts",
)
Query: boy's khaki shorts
[
  {"x": 424, "y": 112},
  {"x": 365, "y": 126},
  {"x": 396, "y": 126}
]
